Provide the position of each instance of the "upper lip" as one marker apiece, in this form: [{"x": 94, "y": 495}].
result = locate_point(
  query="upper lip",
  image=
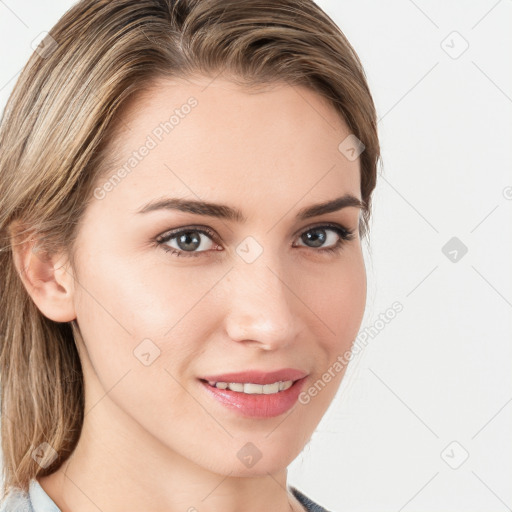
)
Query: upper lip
[{"x": 258, "y": 377}]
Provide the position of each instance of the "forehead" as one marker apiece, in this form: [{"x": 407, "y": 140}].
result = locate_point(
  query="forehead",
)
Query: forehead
[{"x": 218, "y": 140}]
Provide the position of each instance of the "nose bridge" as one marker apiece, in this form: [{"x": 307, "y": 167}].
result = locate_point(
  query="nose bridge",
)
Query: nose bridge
[{"x": 261, "y": 306}]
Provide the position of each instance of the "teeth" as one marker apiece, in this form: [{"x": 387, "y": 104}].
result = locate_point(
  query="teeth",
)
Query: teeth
[
  {"x": 254, "y": 389},
  {"x": 269, "y": 389},
  {"x": 283, "y": 386}
]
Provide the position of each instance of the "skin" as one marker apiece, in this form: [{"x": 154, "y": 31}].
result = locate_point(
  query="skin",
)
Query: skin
[{"x": 152, "y": 438}]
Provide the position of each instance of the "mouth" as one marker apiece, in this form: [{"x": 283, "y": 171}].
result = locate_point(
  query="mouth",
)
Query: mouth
[
  {"x": 250, "y": 388},
  {"x": 265, "y": 398}
]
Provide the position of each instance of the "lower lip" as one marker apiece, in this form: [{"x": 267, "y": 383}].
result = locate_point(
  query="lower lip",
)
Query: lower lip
[{"x": 255, "y": 405}]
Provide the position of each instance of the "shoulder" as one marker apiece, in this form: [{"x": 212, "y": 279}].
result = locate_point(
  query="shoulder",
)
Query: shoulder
[
  {"x": 35, "y": 500},
  {"x": 306, "y": 502},
  {"x": 16, "y": 500}
]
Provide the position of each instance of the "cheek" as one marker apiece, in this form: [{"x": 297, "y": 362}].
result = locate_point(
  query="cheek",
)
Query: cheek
[
  {"x": 339, "y": 305},
  {"x": 337, "y": 296},
  {"x": 136, "y": 315},
  {"x": 138, "y": 335},
  {"x": 351, "y": 290},
  {"x": 138, "y": 296}
]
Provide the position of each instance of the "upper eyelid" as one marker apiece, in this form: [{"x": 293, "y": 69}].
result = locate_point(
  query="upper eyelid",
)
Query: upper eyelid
[{"x": 171, "y": 234}]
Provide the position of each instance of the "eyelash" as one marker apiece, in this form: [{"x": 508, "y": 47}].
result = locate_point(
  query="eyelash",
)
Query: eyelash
[{"x": 345, "y": 235}]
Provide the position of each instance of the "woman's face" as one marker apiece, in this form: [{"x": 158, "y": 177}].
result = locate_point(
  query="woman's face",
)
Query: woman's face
[{"x": 160, "y": 314}]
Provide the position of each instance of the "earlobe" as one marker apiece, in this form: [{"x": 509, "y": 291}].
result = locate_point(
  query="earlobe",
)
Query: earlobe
[{"x": 48, "y": 280}]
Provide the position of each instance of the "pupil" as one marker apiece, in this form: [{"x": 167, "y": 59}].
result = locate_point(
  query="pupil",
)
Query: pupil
[
  {"x": 318, "y": 239},
  {"x": 186, "y": 245}
]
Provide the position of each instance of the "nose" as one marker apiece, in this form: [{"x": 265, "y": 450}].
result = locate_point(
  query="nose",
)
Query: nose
[{"x": 262, "y": 307}]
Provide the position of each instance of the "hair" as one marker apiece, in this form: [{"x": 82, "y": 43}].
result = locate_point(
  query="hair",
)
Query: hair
[{"x": 57, "y": 132}]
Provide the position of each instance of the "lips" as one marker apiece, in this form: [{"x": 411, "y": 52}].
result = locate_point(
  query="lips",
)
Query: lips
[
  {"x": 255, "y": 405},
  {"x": 257, "y": 377}
]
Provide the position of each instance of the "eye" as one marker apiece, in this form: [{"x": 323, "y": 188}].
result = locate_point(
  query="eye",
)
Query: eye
[
  {"x": 334, "y": 235},
  {"x": 187, "y": 241},
  {"x": 190, "y": 242}
]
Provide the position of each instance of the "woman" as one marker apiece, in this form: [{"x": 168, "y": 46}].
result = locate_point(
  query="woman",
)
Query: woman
[{"x": 185, "y": 188}]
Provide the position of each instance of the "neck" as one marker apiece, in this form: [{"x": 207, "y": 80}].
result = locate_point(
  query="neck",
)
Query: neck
[{"x": 154, "y": 478}]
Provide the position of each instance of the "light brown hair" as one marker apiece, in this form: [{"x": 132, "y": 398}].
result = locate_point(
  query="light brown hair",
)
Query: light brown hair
[{"x": 56, "y": 137}]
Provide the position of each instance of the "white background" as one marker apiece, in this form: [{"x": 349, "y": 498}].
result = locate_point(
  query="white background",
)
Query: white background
[{"x": 440, "y": 371}]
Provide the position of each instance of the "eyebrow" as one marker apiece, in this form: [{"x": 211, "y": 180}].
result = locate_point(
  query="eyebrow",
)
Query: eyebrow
[{"x": 223, "y": 211}]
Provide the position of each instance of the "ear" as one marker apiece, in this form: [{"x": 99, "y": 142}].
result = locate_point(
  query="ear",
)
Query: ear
[{"x": 48, "y": 280}]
